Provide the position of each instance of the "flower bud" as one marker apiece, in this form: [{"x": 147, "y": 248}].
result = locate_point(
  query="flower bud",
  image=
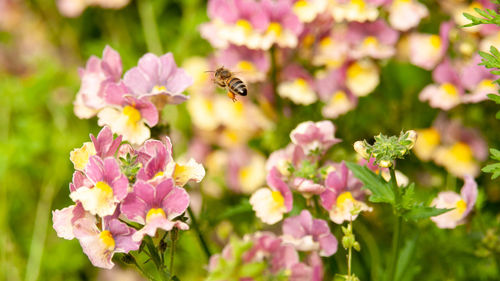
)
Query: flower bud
[
  {"x": 360, "y": 148},
  {"x": 412, "y": 136},
  {"x": 348, "y": 241},
  {"x": 385, "y": 164}
]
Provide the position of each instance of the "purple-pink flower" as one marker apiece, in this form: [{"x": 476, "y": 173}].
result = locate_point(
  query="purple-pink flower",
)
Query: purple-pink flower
[
  {"x": 158, "y": 77},
  {"x": 311, "y": 137},
  {"x": 308, "y": 234},
  {"x": 100, "y": 245},
  {"x": 374, "y": 39},
  {"x": 448, "y": 91},
  {"x": 95, "y": 77},
  {"x": 461, "y": 204},
  {"x": 104, "y": 187},
  {"x": 155, "y": 207}
]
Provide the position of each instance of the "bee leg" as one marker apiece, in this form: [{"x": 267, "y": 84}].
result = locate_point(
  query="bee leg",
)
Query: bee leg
[{"x": 231, "y": 96}]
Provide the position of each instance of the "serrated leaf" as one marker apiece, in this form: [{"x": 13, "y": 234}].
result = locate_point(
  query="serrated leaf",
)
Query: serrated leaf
[
  {"x": 381, "y": 190},
  {"x": 491, "y": 168},
  {"x": 408, "y": 198},
  {"x": 495, "y": 153},
  {"x": 422, "y": 212}
]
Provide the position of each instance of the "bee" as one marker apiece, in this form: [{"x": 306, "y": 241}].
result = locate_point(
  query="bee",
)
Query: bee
[{"x": 226, "y": 79}]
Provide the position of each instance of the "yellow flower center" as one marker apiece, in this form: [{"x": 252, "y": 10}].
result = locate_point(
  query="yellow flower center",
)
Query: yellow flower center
[
  {"x": 299, "y": 82},
  {"x": 474, "y": 5},
  {"x": 354, "y": 70},
  {"x": 154, "y": 213},
  {"x": 462, "y": 152},
  {"x": 461, "y": 206},
  {"x": 245, "y": 25},
  {"x": 327, "y": 41},
  {"x": 275, "y": 28},
  {"x": 370, "y": 41},
  {"x": 107, "y": 239},
  {"x": 105, "y": 189},
  {"x": 487, "y": 83},
  {"x": 435, "y": 41},
  {"x": 159, "y": 88},
  {"x": 300, "y": 4},
  {"x": 339, "y": 97},
  {"x": 159, "y": 174},
  {"x": 343, "y": 197},
  {"x": 232, "y": 135},
  {"x": 278, "y": 199},
  {"x": 308, "y": 40},
  {"x": 430, "y": 136},
  {"x": 450, "y": 89},
  {"x": 246, "y": 66},
  {"x": 245, "y": 173},
  {"x": 360, "y": 3},
  {"x": 181, "y": 174},
  {"x": 134, "y": 116}
]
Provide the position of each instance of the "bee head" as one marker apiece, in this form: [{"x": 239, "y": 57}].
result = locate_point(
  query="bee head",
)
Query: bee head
[{"x": 222, "y": 73}]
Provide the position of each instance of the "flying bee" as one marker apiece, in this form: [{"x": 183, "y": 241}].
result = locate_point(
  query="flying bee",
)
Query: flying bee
[{"x": 226, "y": 79}]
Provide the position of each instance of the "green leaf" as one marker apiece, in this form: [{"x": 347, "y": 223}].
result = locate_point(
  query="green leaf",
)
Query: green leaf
[
  {"x": 495, "y": 153},
  {"x": 406, "y": 266},
  {"x": 422, "y": 212},
  {"x": 494, "y": 97},
  {"x": 381, "y": 190},
  {"x": 408, "y": 199}
]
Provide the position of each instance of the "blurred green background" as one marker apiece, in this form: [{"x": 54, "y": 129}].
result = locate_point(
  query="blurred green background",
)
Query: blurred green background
[{"x": 40, "y": 52}]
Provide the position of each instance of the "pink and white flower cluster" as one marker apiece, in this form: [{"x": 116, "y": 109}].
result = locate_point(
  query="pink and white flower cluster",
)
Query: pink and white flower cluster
[
  {"x": 107, "y": 193},
  {"x": 130, "y": 103},
  {"x": 275, "y": 256},
  {"x": 296, "y": 168}
]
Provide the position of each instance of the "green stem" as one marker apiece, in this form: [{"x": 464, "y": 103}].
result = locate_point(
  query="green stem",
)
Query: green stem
[
  {"x": 397, "y": 227},
  {"x": 173, "y": 238},
  {"x": 196, "y": 228},
  {"x": 349, "y": 257},
  {"x": 143, "y": 271},
  {"x": 149, "y": 26}
]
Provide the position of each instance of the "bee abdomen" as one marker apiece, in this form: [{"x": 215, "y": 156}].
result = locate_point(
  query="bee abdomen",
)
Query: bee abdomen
[{"x": 237, "y": 86}]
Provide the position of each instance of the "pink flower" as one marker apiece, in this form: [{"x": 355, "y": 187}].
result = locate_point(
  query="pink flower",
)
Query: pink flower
[
  {"x": 308, "y": 234},
  {"x": 100, "y": 246},
  {"x": 312, "y": 136},
  {"x": 105, "y": 145},
  {"x": 64, "y": 220},
  {"x": 374, "y": 39},
  {"x": 478, "y": 80},
  {"x": 284, "y": 27},
  {"x": 245, "y": 170},
  {"x": 343, "y": 195},
  {"x": 155, "y": 207},
  {"x": 307, "y": 187},
  {"x": 298, "y": 85},
  {"x": 266, "y": 244},
  {"x": 461, "y": 204},
  {"x": 158, "y": 164},
  {"x": 74, "y": 8},
  {"x": 448, "y": 91},
  {"x": 95, "y": 77},
  {"x": 406, "y": 14},
  {"x": 271, "y": 203},
  {"x": 128, "y": 114},
  {"x": 333, "y": 91},
  {"x": 251, "y": 65},
  {"x": 158, "y": 76},
  {"x": 427, "y": 50},
  {"x": 104, "y": 187},
  {"x": 313, "y": 271},
  {"x": 283, "y": 158}
]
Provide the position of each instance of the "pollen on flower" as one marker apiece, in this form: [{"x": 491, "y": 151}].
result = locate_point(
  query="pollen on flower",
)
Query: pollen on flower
[
  {"x": 107, "y": 239},
  {"x": 461, "y": 206},
  {"x": 154, "y": 213},
  {"x": 134, "y": 116},
  {"x": 450, "y": 89},
  {"x": 462, "y": 152},
  {"x": 435, "y": 41}
]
